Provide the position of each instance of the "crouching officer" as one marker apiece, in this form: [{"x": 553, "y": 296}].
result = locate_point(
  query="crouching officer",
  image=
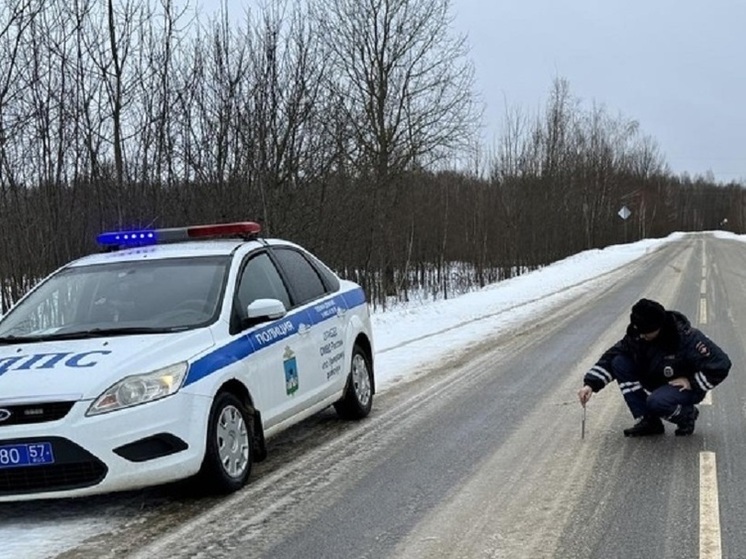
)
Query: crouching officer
[{"x": 663, "y": 365}]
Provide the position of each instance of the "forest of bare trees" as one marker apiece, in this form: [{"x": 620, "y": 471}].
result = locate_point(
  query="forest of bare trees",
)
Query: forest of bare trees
[{"x": 343, "y": 125}]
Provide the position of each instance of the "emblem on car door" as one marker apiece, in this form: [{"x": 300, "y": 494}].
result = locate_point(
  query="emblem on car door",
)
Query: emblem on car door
[{"x": 291, "y": 371}]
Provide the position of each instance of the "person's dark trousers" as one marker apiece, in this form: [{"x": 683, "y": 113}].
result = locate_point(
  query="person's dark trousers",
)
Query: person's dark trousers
[
  {"x": 667, "y": 402},
  {"x": 674, "y": 404}
]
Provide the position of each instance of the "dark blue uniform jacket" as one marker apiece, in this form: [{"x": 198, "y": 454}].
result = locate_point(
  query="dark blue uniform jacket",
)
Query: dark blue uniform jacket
[{"x": 680, "y": 350}]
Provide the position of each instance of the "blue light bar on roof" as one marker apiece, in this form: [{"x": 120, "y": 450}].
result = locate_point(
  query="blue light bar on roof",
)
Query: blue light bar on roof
[
  {"x": 122, "y": 239},
  {"x": 126, "y": 238}
]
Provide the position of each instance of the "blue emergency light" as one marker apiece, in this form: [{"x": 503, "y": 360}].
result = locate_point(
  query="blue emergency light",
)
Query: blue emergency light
[
  {"x": 126, "y": 238},
  {"x": 144, "y": 237}
]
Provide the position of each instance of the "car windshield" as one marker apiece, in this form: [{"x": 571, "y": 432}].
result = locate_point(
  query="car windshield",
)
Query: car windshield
[{"x": 120, "y": 298}]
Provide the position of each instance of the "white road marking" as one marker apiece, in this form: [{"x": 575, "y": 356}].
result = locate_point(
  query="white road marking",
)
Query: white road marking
[
  {"x": 703, "y": 311},
  {"x": 707, "y": 401},
  {"x": 702, "y": 289},
  {"x": 710, "y": 545}
]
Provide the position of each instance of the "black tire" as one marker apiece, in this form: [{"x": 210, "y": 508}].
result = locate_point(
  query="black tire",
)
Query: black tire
[
  {"x": 358, "y": 396},
  {"x": 229, "y": 451}
]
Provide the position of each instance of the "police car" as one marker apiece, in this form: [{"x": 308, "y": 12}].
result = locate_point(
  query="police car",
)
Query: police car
[{"x": 174, "y": 354}]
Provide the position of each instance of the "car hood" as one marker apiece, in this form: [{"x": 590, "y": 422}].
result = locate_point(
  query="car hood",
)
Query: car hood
[{"x": 83, "y": 369}]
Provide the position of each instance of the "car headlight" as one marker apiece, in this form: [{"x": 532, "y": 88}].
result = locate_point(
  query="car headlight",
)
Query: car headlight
[{"x": 139, "y": 389}]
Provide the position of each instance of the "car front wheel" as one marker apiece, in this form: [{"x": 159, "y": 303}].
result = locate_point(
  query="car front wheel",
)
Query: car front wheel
[
  {"x": 228, "y": 454},
  {"x": 358, "y": 396}
]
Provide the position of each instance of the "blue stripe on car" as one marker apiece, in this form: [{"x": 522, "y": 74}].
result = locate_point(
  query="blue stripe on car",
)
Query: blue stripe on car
[
  {"x": 272, "y": 333},
  {"x": 354, "y": 298}
]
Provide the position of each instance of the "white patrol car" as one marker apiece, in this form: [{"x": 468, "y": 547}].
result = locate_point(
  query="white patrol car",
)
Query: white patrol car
[{"x": 174, "y": 354}]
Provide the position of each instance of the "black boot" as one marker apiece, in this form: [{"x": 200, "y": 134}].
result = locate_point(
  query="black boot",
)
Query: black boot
[
  {"x": 686, "y": 425},
  {"x": 645, "y": 427}
]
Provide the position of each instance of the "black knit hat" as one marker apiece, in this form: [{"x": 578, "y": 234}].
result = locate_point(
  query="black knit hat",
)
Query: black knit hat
[{"x": 647, "y": 316}]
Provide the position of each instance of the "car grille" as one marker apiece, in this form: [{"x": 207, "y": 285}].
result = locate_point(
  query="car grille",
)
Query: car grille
[
  {"x": 35, "y": 413},
  {"x": 74, "y": 468}
]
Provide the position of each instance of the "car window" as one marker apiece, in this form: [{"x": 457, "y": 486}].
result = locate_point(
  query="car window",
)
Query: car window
[
  {"x": 260, "y": 280},
  {"x": 303, "y": 277},
  {"x": 330, "y": 278},
  {"x": 167, "y": 293}
]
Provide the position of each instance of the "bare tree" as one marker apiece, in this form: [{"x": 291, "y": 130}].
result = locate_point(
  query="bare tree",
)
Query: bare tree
[
  {"x": 406, "y": 88},
  {"x": 406, "y": 81},
  {"x": 282, "y": 121},
  {"x": 164, "y": 37},
  {"x": 114, "y": 43}
]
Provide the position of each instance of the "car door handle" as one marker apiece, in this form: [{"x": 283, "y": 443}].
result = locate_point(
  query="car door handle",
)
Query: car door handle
[
  {"x": 303, "y": 329},
  {"x": 341, "y": 312}
]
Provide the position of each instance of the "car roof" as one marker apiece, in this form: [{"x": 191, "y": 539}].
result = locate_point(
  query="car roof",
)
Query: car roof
[{"x": 187, "y": 249}]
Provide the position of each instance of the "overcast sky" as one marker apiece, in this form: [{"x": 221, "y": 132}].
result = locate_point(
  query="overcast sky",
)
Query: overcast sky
[{"x": 678, "y": 67}]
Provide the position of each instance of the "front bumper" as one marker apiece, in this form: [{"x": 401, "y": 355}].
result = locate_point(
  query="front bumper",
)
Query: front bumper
[{"x": 150, "y": 444}]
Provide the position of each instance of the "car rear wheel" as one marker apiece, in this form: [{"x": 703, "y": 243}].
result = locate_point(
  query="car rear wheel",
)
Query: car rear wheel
[
  {"x": 358, "y": 396},
  {"x": 228, "y": 454}
]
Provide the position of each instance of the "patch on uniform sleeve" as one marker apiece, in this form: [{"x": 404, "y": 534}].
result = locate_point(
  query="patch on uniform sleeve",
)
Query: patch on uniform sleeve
[{"x": 702, "y": 348}]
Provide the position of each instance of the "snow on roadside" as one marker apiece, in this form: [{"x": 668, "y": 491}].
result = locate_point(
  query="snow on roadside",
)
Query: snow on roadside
[{"x": 408, "y": 337}]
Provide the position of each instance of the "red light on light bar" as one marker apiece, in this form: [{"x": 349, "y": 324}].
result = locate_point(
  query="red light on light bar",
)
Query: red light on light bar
[
  {"x": 224, "y": 229},
  {"x": 120, "y": 239}
]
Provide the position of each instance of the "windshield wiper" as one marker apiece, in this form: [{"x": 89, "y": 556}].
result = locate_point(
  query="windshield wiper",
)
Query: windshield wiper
[
  {"x": 17, "y": 339},
  {"x": 91, "y": 333},
  {"x": 105, "y": 332}
]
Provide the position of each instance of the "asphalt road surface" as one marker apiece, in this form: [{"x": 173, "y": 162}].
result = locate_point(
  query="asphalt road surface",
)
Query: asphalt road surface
[{"x": 483, "y": 458}]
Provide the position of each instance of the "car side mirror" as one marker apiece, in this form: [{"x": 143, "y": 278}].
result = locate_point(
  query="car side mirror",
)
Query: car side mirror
[{"x": 262, "y": 310}]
